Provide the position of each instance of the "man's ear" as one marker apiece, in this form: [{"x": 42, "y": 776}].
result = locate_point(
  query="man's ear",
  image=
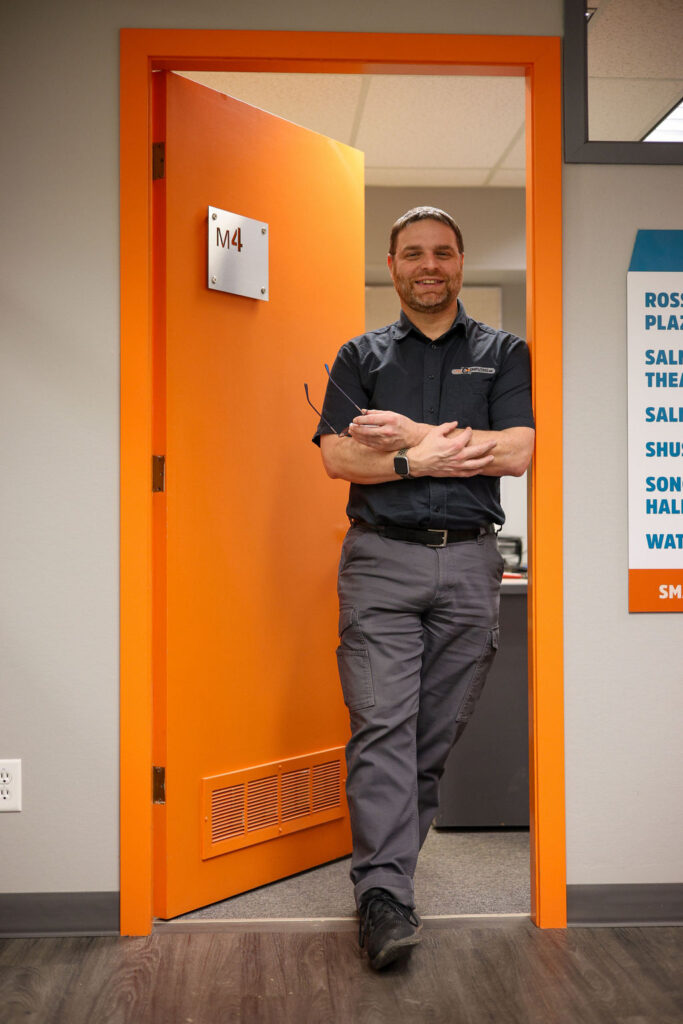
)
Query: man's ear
[{"x": 390, "y": 262}]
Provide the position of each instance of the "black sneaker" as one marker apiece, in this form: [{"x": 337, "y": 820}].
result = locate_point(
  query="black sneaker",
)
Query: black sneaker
[{"x": 388, "y": 929}]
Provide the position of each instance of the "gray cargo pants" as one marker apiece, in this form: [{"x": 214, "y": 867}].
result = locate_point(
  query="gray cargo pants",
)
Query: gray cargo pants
[{"x": 418, "y": 631}]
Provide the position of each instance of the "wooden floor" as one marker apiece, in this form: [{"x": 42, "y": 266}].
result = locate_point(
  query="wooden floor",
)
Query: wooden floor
[{"x": 467, "y": 972}]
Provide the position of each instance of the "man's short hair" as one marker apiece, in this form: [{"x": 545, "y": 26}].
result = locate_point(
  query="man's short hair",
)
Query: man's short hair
[{"x": 424, "y": 213}]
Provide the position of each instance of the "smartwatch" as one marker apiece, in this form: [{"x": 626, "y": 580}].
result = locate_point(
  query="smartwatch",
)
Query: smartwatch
[{"x": 401, "y": 464}]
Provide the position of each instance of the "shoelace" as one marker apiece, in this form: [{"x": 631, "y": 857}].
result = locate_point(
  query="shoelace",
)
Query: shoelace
[{"x": 384, "y": 897}]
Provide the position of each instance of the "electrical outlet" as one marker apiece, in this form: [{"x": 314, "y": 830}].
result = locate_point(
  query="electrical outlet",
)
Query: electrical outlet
[{"x": 10, "y": 785}]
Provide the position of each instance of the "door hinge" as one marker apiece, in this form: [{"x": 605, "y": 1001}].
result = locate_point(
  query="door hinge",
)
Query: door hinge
[
  {"x": 158, "y": 472},
  {"x": 158, "y": 160},
  {"x": 158, "y": 785}
]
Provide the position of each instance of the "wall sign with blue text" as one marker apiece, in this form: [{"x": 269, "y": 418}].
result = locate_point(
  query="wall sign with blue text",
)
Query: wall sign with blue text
[{"x": 655, "y": 422}]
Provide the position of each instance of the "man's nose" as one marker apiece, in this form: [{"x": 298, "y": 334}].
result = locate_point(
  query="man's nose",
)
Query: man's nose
[
  {"x": 429, "y": 265},
  {"x": 429, "y": 261}
]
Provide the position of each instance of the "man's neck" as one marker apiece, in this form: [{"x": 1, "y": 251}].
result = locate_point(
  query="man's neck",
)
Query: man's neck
[{"x": 432, "y": 325}]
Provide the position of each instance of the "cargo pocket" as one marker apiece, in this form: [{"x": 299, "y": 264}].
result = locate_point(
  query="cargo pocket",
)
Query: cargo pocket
[
  {"x": 478, "y": 679},
  {"x": 353, "y": 659}
]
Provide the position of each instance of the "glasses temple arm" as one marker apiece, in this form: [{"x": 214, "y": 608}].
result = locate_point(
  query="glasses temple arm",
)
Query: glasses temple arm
[
  {"x": 326, "y": 422},
  {"x": 333, "y": 381}
]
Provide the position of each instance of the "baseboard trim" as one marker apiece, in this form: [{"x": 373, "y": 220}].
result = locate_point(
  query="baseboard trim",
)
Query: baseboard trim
[
  {"x": 625, "y": 904},
  {"x": 35, "y": 914}
]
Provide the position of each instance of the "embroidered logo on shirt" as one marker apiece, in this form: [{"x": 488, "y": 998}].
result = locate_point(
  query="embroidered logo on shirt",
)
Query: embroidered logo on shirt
[{"x": 474, "y": 369}]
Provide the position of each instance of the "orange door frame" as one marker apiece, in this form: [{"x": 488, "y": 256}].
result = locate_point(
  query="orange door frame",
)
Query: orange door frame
[{"x": 536, "y": 57}]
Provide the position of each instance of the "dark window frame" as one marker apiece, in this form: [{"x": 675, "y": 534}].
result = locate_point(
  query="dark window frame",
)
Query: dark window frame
[{"x": 578, "y": 149}]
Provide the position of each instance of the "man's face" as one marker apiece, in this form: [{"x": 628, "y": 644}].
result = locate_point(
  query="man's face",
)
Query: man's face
[{"x": 427, "y": 268}]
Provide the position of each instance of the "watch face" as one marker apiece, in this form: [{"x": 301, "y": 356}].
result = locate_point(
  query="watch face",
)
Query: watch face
[{"x": 401, "y": 465}]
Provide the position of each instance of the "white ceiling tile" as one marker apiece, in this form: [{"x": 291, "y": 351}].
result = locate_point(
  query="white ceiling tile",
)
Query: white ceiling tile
[
  {"x": 516, "y": 155},
  {"x": 636, "y": 39},
  {"x": 323, "y": 103},
  {"x": 439, "y": 121},
  {"x": 443, "y": 131},
  {"x": 622, "y": 109},
  {"x": 508, "y": 177},
  {"x": 436, "y": 177}
]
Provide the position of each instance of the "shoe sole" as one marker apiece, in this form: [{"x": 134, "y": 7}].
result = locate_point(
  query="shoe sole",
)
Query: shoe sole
[{"x": 398, "y": 949}]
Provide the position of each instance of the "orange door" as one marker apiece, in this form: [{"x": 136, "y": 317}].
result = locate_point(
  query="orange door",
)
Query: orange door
[{"x": 249, "y": 721}]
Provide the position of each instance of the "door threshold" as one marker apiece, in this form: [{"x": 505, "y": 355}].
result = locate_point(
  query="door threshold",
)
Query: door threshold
[{"x": 317, "y": 924}]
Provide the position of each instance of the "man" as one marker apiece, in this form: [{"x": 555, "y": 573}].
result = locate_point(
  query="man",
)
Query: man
[{"x": 446, "y": 411}]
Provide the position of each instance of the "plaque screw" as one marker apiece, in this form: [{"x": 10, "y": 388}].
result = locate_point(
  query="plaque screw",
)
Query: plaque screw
[
  {"x": 213, "y": 279},
  {"x": 214, "y": 216},
  {"x": 263, "y": 231},
  {"x": 263, "y": 291}
]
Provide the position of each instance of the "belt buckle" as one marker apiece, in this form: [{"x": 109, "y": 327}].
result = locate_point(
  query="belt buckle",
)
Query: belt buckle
[{"x": 444, "y": 539}]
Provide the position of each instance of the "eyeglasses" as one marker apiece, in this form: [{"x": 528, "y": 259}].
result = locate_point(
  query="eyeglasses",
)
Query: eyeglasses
[{"x": 345, "y": 431}]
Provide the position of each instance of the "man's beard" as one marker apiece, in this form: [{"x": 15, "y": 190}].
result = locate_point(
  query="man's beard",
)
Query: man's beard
[{"x": 432, "y": 304}]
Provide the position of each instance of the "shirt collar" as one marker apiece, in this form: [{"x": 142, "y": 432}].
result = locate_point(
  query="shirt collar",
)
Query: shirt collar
[{"x": 403, "y": 326}]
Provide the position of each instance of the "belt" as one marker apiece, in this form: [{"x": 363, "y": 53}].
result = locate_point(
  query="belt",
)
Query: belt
[{"x": 431, "y": 538}]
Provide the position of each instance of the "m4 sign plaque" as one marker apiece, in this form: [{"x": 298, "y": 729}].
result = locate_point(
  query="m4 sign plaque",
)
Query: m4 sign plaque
[
  {"x": 655, "y": 422},
  {"x": 238, "y": 254}
]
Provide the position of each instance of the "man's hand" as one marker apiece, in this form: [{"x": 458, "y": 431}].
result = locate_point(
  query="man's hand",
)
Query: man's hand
[
  {"x": 445, "y": 453},
  {"x": 387, "y": 431}
]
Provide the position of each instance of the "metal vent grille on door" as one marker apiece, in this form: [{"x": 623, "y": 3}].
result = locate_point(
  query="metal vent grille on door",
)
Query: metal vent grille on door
[
  {"x": 262, "y": 803},
  {"x": 325, "y": 785},
  {"x": 268, "y": 801},
  {"x": 227, "y": 812},
  {"x": 296, "y": 794}
]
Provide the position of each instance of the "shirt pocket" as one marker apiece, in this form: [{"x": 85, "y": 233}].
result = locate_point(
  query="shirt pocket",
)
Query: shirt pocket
[{"x": 467, "y": 401}]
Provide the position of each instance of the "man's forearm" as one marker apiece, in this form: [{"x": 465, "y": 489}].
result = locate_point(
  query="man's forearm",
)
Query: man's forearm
[
  {"x": 444, "y": 451},
  {"x": 347, "y": 459},
  {"x": 384, "y": 431}
]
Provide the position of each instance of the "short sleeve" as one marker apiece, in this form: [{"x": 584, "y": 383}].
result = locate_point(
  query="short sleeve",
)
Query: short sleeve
[
  {"x": 510, "y": 397},
  {"x": 340, "y": 408}
]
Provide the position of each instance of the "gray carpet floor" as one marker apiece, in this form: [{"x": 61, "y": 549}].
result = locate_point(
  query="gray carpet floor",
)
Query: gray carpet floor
[{"x": 458, "y": 873}]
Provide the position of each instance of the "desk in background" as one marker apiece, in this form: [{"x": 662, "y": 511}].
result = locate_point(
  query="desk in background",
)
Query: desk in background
[{"x": 486, "y": 781}]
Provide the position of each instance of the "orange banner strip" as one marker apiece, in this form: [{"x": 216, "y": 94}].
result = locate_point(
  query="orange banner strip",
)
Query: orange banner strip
[{"x": 655, "y": 590}]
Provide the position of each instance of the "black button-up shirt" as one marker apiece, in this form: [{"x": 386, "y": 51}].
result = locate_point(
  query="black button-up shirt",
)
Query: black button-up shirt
[{"x": 472, "y": 373}]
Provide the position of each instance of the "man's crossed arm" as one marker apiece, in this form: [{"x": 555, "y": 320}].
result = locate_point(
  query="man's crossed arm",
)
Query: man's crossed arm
[{"x": 367, "y": 455}]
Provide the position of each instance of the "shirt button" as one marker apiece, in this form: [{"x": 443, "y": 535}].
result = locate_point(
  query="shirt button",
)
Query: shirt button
[
  {"x": 431, "y": 408},
  {"x": 437, "y": 508},
  {"x": 430, "y": 377},
  {"x": 433, "y": 346}
]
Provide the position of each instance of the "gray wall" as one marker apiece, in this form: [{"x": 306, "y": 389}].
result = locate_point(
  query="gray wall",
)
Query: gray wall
[
  {"x": 59, "y": 409},
  {"x": 624, "y": 674}
]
